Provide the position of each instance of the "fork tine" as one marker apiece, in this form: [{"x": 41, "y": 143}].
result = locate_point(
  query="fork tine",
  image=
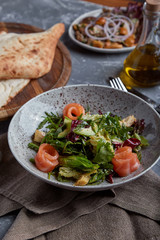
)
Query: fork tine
[
  {"x": 114, "y": 84},
  {"x": 120, "y": 83},
  {"x": 111, "y": 83}
]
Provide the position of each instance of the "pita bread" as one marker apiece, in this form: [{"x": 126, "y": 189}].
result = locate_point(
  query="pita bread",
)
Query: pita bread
[
  {"x": 10, "y": 88},
  {"x": 29, "y": 55}
]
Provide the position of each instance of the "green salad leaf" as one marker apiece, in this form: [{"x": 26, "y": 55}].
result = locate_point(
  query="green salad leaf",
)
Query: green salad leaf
[
  {"x": 79, "y": 162},
  {"x": 104, "y": 155}
]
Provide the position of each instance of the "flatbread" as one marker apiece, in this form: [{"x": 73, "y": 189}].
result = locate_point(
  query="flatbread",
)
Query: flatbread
[
  {"x": 10, "y": 88},
  {"x": 28, "y": 56}
]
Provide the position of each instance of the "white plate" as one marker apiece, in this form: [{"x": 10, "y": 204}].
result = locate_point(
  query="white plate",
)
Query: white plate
[
  {"x": 28, "y": 117},
  {"x": 94, "y": 13}
]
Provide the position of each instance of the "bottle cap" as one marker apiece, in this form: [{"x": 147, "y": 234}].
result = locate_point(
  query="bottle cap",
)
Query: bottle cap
[{"x": 153, "y": 5}]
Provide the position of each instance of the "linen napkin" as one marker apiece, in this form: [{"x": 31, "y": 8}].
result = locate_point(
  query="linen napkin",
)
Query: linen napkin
[{"x": 51, "y": 213}]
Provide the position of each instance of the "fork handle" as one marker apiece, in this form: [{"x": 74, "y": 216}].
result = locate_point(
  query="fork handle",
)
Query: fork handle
[
  {"x": 158, "y": 109},
  {"x": 154, "y": 104}
]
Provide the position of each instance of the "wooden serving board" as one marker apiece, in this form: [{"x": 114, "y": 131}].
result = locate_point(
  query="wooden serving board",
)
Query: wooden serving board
[{"x": 57, "y": 77}]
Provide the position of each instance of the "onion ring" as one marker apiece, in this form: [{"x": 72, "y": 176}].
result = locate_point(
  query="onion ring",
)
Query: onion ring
[{"x": 111, "y": 32}]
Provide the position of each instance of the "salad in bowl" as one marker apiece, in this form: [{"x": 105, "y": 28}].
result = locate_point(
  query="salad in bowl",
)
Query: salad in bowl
[{"x": 87, "y": 148}]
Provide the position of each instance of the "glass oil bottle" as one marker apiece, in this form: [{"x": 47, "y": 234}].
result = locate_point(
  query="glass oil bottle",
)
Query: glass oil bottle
[{"x": 142, "y": 66}]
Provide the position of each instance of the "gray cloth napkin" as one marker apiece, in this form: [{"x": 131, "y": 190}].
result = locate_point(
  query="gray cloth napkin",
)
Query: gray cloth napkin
[
  {"x": 141, "y": 196},
  {"x": 7, "y": 205},
  {"x": 47, "y": 212},
  {"x": 107, "y": 223}
]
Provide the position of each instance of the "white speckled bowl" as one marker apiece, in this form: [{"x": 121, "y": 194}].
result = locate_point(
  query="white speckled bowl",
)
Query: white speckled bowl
[{"x": 97, "y": 97}]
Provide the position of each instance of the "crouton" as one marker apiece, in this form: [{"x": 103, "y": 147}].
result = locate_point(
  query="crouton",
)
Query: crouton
[
  {"x": 128, "y": 121},
  {"x": 38, "y": 136},
  {"x": 84, "y": 179}
]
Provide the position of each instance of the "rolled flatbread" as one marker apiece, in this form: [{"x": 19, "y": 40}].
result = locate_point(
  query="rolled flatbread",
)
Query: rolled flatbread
[
  {"x": 10, "y": 88},
  {"x": 28, "y": 56}
]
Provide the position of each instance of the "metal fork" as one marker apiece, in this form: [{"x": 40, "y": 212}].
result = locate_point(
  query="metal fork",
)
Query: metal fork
[{"x": 118, "y": 84}]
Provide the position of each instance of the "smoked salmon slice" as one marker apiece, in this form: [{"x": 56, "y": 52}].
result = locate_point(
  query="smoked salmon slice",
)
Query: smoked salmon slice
[
  {"x": 125, "y": 161},
  {"x": 73, "y": 111},
  {"x": 46, "y": 158}
]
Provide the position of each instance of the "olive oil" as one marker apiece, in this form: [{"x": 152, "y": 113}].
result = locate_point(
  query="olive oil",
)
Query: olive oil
[{"x": 142, "y": 67}]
